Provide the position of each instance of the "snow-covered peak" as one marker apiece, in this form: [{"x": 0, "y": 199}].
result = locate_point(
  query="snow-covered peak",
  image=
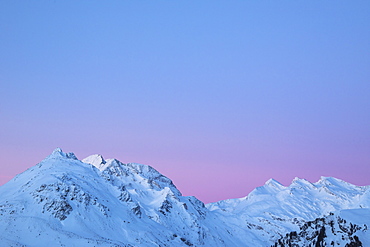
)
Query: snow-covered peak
[
  {"x": 337, "y": 186},
  {"x": 272, "y": 182},
  {"x": 330, "y": 181},
  {"x": 57, "y": 150},
  {"x": 273, "y": 208},
  {"x": 96, "y": 160},
  {"x": 302, "y": 199},
  {"x": 112, "y": 206},
  {"x": 298, "y": 180},
  {"x": 58, "y": 153},
  {"x": 301, "y": 183}
]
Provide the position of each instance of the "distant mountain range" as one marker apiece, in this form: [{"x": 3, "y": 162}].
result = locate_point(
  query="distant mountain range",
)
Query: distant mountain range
[{"x": 63, "y": 201}]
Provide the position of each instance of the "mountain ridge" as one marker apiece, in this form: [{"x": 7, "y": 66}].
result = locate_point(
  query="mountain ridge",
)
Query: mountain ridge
[{"x": 101, "y": 202}]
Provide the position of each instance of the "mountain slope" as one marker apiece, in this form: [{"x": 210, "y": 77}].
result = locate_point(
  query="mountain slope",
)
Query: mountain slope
[
  {"x": 273, "y": 209},
  {"x": 66, "y": 201},
  {"x": 63, "y": 201},
  {"x": 344, "y": 228}
]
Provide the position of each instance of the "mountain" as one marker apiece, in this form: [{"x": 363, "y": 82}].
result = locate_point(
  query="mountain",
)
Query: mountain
[
  {"x": 343, "y": 228},
  {"x": 64, "y": 201},
  {"x": 273, "y": 210}
]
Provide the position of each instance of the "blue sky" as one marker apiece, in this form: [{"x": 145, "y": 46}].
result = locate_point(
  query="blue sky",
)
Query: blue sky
[{"x": 218, "y": 95}]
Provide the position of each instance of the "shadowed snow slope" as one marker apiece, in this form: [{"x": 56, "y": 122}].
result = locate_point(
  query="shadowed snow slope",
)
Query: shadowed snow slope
[{"x": 63, "y": 201}]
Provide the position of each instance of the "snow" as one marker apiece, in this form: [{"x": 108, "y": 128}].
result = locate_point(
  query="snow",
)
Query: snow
[
  {"x": 98, "y": 202},
  {"x": 96, "y": 160}
]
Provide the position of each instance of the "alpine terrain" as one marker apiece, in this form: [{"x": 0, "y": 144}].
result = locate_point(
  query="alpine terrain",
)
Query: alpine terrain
[{"x": 64, "y": 201}]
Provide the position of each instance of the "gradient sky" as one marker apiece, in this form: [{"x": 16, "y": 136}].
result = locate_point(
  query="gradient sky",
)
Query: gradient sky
[{"x": 219, "y": 96}]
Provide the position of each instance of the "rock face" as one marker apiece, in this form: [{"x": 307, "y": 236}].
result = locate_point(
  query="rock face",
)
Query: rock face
[
  {"x": 63, "y": 201},
  {"x": 333, "y": 230}
]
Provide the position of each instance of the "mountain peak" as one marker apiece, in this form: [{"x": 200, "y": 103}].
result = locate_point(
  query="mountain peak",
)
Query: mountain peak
[
  {"x": 337, "y": 184},
  {"x": 298, "y": 180},
  {"x": 58, "y": 152},
  {"x": 274, "y": 183},
  {"x": 328, "y": 181},
  {"x": 96, "y": 160}
]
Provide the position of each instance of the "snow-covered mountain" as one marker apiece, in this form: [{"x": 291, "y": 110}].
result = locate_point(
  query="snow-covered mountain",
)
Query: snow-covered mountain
[
  {"x": 273, "y": 210},
  {"x": 63, "y": 201}
]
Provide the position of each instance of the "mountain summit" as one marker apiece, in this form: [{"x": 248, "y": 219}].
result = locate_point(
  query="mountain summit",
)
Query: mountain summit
[{"x": 63, "y": 201}]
